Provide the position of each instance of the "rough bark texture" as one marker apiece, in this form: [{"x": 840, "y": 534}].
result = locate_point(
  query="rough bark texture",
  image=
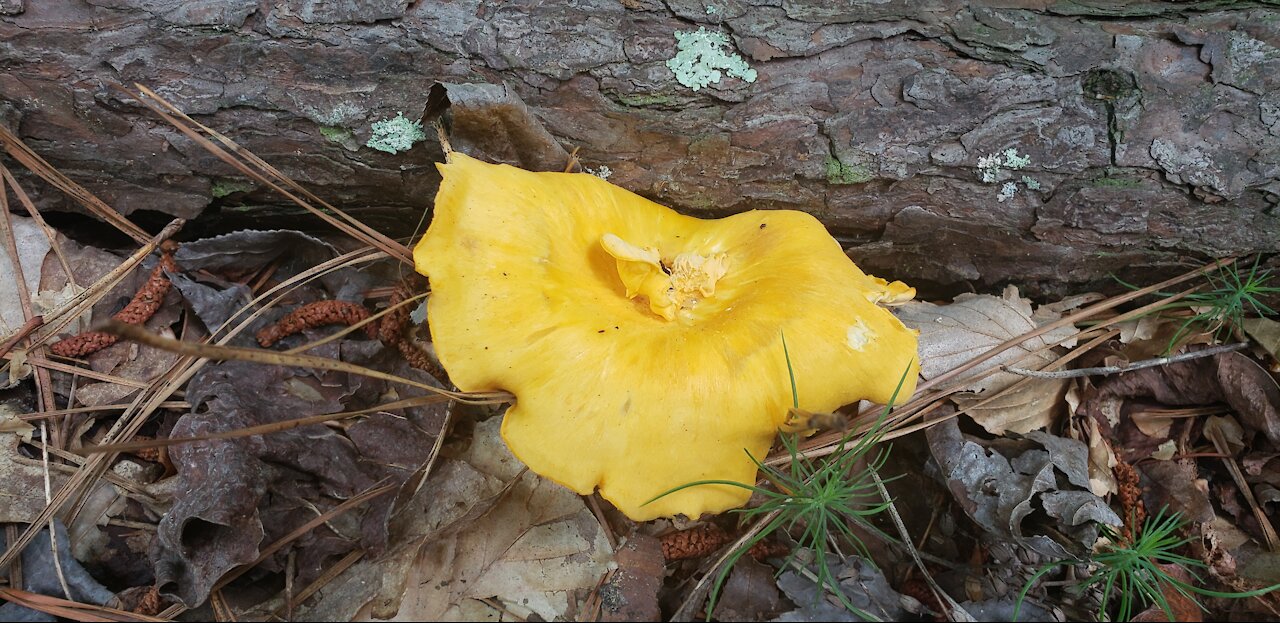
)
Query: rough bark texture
[{"x": 1153, "y": 130}]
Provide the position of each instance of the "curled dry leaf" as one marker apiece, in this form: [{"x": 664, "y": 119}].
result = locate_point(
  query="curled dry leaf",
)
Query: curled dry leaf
[
  {"x": 1102, "y": 459},
  {"x": 951, "y": 335},
  {"x": 490, "y": 121},
  {"x": 1165, "y": 451}
]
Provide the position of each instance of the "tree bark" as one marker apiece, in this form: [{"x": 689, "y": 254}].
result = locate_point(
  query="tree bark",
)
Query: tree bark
[{"x": 1152, "y": 130}]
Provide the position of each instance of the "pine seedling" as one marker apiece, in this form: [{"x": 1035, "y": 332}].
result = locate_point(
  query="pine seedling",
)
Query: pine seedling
[
  {"x": 820, "y": 498},
  {"x": 1131, "y": 572},
  {"x": 1232, "y": 294}
]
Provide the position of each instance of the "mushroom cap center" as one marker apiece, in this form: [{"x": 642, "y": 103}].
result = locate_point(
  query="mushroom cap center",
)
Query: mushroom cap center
[{"x": 674, "y": 286}]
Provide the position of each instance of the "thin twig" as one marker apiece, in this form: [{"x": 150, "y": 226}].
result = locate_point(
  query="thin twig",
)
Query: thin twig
[
  {"x": 271, "y": 357},
  {"x": 48, "y": 498},
  {"x": 1137, "y": 365},
  {"x": 954, "y": 611}
]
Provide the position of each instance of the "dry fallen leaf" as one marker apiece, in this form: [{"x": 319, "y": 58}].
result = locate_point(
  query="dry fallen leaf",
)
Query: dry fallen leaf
[
  {"x": 1165, "y": 451},
  {"x": 1264, "y": 331},
  {"x": 1017, "y": 409},
  {"x": 951, "y": 335},
  {"x": 1102, "y": 460},
  {"x": 1182, "y": 607},
  {"x": 537, "y": 551}
]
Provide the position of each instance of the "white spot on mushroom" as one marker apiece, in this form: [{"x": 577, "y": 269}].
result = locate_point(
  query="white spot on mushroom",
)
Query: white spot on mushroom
[{"x": 859, "y": 335}]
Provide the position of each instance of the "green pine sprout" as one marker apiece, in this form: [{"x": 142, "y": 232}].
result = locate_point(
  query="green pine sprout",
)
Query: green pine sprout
[
  {"x": 1232, "y": 296},
  {"x": 1132, "y": 572},
  {"x": 821, "y": 496}
]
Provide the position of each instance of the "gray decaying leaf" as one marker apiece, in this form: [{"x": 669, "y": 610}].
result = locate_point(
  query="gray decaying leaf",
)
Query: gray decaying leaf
[
  {"x": 208, "y": 264},
  {"x": 39, "y": 575},
  {"x": 229, "y": 487},
  {"x": 863, "y": 585},
  {"x": 750, "y": 594},
  {"x": 248, "y": 249},
  {"x": 1000, "y": 484},
  {"x": 213, "y": 303}
]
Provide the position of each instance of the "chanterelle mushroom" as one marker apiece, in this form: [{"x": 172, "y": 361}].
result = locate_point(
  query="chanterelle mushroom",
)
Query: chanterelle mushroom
[{"x": 644, "y": 347}]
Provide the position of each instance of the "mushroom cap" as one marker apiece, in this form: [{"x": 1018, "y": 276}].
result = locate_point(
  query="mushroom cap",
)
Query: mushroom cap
[{"x": 610, "y": 394}]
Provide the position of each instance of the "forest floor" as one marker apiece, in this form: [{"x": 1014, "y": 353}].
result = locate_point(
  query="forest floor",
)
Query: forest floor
[{"x": 264, "y": 434}]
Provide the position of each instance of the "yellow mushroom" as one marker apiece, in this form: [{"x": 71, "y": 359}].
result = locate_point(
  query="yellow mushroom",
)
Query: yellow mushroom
[{"x": 644, "y": 347}]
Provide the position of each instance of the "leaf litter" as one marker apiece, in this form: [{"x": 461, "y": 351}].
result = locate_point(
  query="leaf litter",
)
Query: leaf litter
[{"x": 1025, "y": 477}]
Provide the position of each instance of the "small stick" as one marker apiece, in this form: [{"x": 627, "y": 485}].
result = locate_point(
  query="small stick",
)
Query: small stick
[
  {"x": 1137, "y": 365},
  {"x": 34, "y": 323}
]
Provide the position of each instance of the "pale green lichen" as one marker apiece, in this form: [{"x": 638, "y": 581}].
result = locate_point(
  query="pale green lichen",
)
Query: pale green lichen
[
  {"x": 603, "y": 172},
  {"x": 1013, "y": 161},
  {"x": 992, "y": 168},
  {"x": 991, "y": 165},
  {"x": 396, "y": 135},
  {"x": 704, "y": 57},
  {"x": 1007, "y": 191}
]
